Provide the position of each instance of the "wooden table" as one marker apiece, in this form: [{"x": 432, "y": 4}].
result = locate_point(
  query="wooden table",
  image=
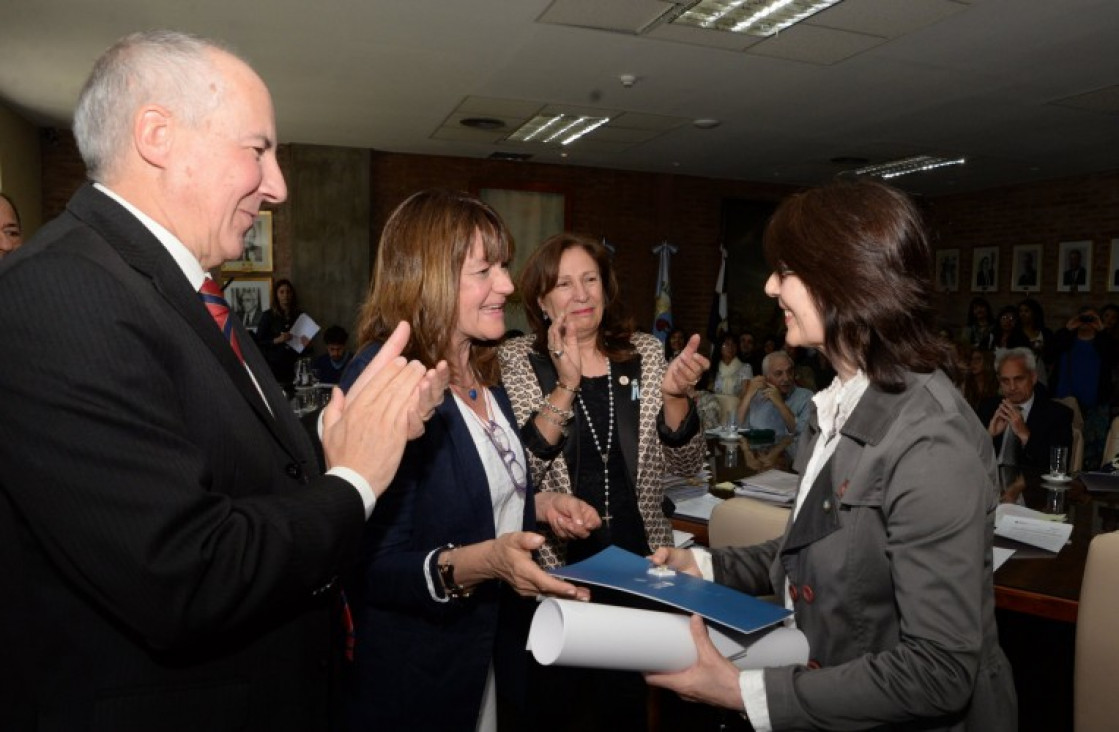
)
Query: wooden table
[{"x": 1049, "y": 586}]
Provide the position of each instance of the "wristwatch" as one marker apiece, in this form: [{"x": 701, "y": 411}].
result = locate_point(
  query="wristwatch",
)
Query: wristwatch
[{"x": 447, "y": 576}]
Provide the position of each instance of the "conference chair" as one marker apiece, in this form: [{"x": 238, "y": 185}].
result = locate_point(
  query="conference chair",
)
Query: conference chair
[
  {"x": 1095, "y": 703},
  {"x": 1076, "y": 451},
  {"x": 1111, "y": 445},
  {"x": 742, "y": 521}
]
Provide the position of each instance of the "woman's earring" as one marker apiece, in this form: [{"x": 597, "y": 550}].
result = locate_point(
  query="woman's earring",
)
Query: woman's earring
[{"x": 544, "y": 313}]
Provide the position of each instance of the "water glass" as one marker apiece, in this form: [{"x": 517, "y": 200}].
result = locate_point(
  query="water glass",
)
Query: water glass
[
  {"x": 1055, "y": 500},
  {"x": 730, "y": 428},
  {"x": 1058, "y": 461},
  {"x": 732, "y": 454}
]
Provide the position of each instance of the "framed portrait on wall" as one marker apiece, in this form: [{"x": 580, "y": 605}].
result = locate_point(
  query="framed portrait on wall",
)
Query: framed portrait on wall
[
  {"x": 948, "y": 270},
  {"x": 248, "y": 298},
  {"x": 1074, "y": 266},
  {"x": 532, "y": 213},
  {"x": 1113, "y": 267},
  {"x": 257, "y": 254},
  {"x": 985, "y": 269},
  {"x": 1026, "y": 273}
]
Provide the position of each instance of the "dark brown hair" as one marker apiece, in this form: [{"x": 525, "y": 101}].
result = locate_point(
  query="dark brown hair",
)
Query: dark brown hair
[
  {"x": 860, "y": 249},
  {"x": 416, "y": 277},
  {"x": 539, "y": 277}
]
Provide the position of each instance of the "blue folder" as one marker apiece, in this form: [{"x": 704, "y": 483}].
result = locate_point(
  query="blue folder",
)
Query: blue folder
[{"x": 621, "y": 570}]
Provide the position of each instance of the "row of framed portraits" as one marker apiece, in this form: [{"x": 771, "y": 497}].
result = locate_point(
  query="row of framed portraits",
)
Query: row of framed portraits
[
  {"x": 257, "y": 254},
  {"x": 1075, "y": 274}
]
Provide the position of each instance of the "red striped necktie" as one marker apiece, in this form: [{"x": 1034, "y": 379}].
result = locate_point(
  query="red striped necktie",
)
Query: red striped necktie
[{"x": 212, "y": 298}]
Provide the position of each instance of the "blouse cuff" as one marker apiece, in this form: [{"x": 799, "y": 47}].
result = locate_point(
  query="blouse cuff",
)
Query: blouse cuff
[
  {"x": 752, "y": 685},
  {"x": 683, "y": 434},
  {"x": 535, "y": 443}
]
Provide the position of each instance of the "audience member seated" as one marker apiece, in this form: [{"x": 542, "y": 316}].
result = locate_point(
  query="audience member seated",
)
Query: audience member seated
[
  {"x": 11, "y": 231},
  {"x": 1031, "y": 324},
  {"x": 1024, "y": 422},
  {"x": 1007, "y": 332},
  {"x": 748, "y": 351},
  {"x": 329, "y": 366},
  {"x": 724, "y": 384},
  {"x": 980, "y": 381},
  {"x": 1084, "y": 359},
  {"x": 773, "y": 401},
  {"x": 674, "y": 344},
  {"x": 979, "y": 332}
]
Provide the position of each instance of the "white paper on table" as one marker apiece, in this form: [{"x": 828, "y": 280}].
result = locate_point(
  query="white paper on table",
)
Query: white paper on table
[
  {"x": 699, "y": 507},
  {"x": 1031, "y": 527},
  {"x": 1000, "y": 555},
  {"x": 572, "y": 633},
  {"x": 303, "y": 326},
  {"x": 682, "y": 539}
]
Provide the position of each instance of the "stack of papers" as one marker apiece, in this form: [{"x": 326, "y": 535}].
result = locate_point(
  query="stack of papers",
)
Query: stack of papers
[
  {"x": 1035, "y": 528},
  {"x": 689, "y": 494},
  {"x": 699, "y": 507},
  {"x": 775, "y": 486}
]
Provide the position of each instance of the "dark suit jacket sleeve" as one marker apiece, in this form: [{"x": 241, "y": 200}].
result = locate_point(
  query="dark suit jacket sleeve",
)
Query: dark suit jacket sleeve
[
  {"x": 139, "y": 469},
  {"x": 1050, "y": 424}
]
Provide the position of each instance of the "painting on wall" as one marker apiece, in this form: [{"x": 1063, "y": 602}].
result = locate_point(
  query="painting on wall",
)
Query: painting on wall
[
  {"x": 1113, "y": 276},
  {"x": 531, "y": 217},
  {"x": 985, "y": 269},
  {"x": 948, "y": 270},
  {"x": 257, "y": 254},
  {"x": 1075, "y": 266},
  {"x": 1026, "y": 275},
  {"x": 248, "y": 298}
]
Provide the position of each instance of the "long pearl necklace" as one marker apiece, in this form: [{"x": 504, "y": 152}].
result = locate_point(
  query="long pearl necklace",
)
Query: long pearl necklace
[{"x": 603, "y": 453}]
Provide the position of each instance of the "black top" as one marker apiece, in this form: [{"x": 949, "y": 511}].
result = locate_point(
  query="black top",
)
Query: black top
[{"x": 625, "y": 529}]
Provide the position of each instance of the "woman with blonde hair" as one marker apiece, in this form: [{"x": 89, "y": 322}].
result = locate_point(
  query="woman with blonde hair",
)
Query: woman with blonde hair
[{"x": 441, "y": 630}]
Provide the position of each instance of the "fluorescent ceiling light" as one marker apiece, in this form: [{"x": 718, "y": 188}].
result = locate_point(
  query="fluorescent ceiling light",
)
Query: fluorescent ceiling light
[
  {"x": 753, "y": 17},
  {"x": 556, "y": 129},
  {"x": 905, "y": 166}
]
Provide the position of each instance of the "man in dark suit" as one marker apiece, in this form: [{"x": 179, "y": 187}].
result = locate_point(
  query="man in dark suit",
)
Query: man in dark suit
[
  {"x": 1024, "y": 423},
  {"x": 167, "y": 541},
  {"x": 1075, "y": 275}
]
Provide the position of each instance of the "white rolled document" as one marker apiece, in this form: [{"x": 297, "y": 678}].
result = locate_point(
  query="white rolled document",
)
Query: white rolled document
[{"x": 571, "y": 633}]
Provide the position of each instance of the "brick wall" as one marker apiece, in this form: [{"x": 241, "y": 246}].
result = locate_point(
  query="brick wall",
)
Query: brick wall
[
  {"x": 1046, "y": 214},
  {"x": 635, "y": 211}
]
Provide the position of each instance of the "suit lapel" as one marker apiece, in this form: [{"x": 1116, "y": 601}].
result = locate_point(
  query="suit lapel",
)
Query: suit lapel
[
  {"x": 627, "y": 387},
  {"x": 471, "y": 472},
  {"x": 818, "y": 515},
  {"x": 143, "y": 252}
]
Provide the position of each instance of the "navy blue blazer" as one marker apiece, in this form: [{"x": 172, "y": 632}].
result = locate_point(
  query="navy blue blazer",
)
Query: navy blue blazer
[{"x": 421, "y": 664}]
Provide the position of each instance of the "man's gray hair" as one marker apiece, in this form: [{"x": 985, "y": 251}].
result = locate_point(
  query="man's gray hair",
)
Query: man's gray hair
[
  {"x": 768, "y": 360},
  {"x": 1027, "y": 356},
  {"x": 168, "y": 68}
]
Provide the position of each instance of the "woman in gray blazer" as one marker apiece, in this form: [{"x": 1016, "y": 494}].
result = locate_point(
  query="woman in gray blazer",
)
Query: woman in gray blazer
[{"x": 886, "y": 562}]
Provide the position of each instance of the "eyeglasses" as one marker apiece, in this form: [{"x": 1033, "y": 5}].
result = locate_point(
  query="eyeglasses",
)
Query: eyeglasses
[{"x": 500, "y": 441}]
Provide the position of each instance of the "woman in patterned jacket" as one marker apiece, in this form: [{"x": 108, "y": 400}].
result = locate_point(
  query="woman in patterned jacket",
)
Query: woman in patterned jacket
[{"x": 603, "y": 417}]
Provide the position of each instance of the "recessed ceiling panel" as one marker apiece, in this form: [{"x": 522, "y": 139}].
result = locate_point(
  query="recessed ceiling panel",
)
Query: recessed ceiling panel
[
  {"x": 887, "y": 18},
  {"x": 702, "y": 37},
  {"x": 1100, "y": 100},
  {"x": 622, "y": 16},
  {"x": 815, "y": 45}
]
